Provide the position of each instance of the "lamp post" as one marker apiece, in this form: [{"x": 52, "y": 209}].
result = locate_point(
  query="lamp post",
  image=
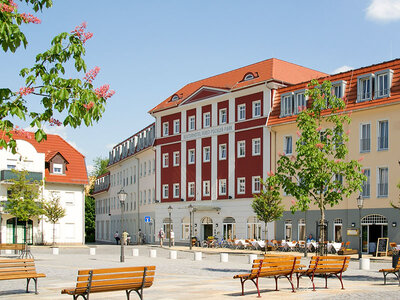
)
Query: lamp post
[
  {"x": 360, "y": 204},
  {"x": 190, "y": 225},
  {"x": 169, "y": 214},
  {"x": 122, "y": 197}
]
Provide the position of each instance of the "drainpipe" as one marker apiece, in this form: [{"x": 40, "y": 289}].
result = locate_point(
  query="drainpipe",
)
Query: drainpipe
[{"x": 137, "y": 193}]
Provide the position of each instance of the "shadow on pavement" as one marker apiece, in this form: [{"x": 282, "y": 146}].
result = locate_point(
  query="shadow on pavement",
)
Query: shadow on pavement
[{"x": 227, "y": 270}]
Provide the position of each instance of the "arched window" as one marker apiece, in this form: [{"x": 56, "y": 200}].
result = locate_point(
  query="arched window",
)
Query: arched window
[
  {"x": 229, "y": 228},
  {"x": 185, "y": 228},
  {"x": 374, "y": 220},
  {"x": 166, "y": 223},
  {"x": 288, "y": 230},
  {"x": 206, "y": 220},
  {"x": 175, "y": 97},
  {"x": 248, "y": 76},
  {"x": 337, "y": 227},
  {"x": 253, "y": 228},
  {"x": 302, "y": 230}
]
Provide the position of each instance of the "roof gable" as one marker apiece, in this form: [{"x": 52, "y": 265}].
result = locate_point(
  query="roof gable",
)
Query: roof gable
[{"x": 204, "y": 93}]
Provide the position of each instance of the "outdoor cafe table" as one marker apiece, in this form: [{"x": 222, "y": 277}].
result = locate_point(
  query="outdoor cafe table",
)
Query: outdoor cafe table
[
  {"x": 336, "y": 246},
  {"x": 241, "y": 243},
  {"x": 258, "y": 244},
  {"x": 289, "y": 245},
  {"x": 313, "y": 244}
]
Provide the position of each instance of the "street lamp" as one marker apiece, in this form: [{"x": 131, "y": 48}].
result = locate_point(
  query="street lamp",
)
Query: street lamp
[
  {"x": 169, "y": 213},
  {"x": 122, "y": 197},
  {"x": 360, "y": 204},
  {"x": 190, "y": 225}
]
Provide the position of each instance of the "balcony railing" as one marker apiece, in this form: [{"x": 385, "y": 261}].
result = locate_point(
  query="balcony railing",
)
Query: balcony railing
[
  {"x": 382, "y": 189},
  {"x": 383, "y": 143},
  {"x": 102, "y": 184},
  {"x": 365, "y": 145},
  {"x": 6, "y": 175}
]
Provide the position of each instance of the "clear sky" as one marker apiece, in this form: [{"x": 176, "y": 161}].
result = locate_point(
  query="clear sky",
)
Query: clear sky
[{"x": 149, "y": 49}]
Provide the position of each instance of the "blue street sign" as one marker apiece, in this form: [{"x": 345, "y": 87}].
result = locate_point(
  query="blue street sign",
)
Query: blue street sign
[{"x": 147, "y": 219}]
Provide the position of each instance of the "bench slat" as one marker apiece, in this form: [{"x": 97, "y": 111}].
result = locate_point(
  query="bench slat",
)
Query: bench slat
[
  {"x": 115, "y": 276},
  {"x": 116, "y": 270}
]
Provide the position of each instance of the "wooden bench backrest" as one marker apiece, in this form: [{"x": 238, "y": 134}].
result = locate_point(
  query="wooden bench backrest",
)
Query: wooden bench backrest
[
  {"x": 274, "y": 264},
  {"x": 330, "y": 262},
  {"x": 105, "y": 279},
  {"x": 12, "y": 246},
  {"x": 17, "y": 266}
]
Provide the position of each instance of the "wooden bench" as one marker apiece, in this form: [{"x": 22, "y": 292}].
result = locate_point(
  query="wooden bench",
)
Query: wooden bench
[
  {"x": 325, "y": 266},
  {"x": 113, "y": 279},
  {"x": 395, "y": 271},
  {"x": 276, "y": 267},
  {"x": 19, "y": 269},
  {"x": 18, "y": 247}
]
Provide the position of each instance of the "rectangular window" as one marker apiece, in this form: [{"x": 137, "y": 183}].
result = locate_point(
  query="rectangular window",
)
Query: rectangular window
[
  {"x": 206, "y": 188},
  {"x": 206, "y": 120},
  {"x": 177, "y": 126},
  {"x": 222, "y": 151},
  {"x": 383, "y": 135},
  {"x": 256, "y": 184},
  {"x": 337, "y": 91},
  {"x": 206, "y": 154},
  {"x": 57, "y": 169},
  {"x": 256, "y": 146},
  {"x": 176, "y": 159},
  {"x": 383, "y": 179},
  {"x": 241, "y": 185},
  {"x": 222, "y": 116},
  {"x": 241, "y": 112},
  {"x": 383, "y": 83},
  {"x": 191, "y": 156},
  {"x": 241, "y": 149},
  {"x": 165, "y": 161},
  {"x": 286, "y": 105},
  {"x": 191, "y": 189},
  {"x": 364, "y": 87},
  {"x": 165, "y": 129},
  {"x": 256, "y": 109},
  {"x": 222, "y": 187},
  {"x": 365, "y": 137},
  {"x": 192, "y": 123},
  {"x": 165, "y": 192},
  {"x": 300, "y": 102},
  {"x": 176, "y": 190},
  {"x": 11, "y": 167},
  {"x": 288, "y": 145},
  {"x": 366, "y": 187}
]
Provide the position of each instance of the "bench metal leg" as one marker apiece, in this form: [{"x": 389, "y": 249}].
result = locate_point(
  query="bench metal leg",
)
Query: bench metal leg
[
  {"x": 326, "y": 281},
  {"x": 84, "y": 296},
  {"x": 384, "y": 277}
]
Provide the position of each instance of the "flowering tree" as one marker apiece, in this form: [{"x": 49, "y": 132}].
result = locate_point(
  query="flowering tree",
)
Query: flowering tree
[
  {"x": 53, "y": 211},
  {"x": 268, "y": 204},
  {"x": 320, "y": 173},
  {"x": 75, "y": 100}
]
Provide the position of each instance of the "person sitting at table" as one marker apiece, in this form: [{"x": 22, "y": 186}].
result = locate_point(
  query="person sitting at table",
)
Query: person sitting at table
[{"x": 310, "y": 238}]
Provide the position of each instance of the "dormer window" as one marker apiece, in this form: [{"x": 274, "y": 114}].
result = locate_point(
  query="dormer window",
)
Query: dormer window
[
  {"x": 56, "y": 163},
  {"x": 175, "y": 98},
  {"x": 57, "y": 168},
  {"x": 248, "y": 76}
]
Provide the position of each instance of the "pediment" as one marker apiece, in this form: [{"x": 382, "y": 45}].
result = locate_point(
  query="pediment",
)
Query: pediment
[{"x": 204, "y": 93}]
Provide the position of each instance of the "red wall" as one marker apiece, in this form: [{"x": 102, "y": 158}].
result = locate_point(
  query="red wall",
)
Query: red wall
[
  {"x": 248, "y": 100},
  {"x": 170, "y": 119},
  {"x": 171, "y": 174},
  {"x": 222, "y": 165}
]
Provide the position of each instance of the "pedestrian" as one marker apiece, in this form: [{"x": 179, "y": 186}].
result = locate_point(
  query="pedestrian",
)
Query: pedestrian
[
  {"x": 140, "y": 237},
  {"x": 128, "y": 241},
  {"x": 125, "y": 237},
  {"x": 172, "y": 237},
  {"x": 116, "y": 237},
  {"x": 161, "y": 236}
]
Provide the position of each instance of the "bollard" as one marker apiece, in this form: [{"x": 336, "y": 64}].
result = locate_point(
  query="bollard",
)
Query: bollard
[
  {"x": 135, "y": 252},
  {"x": 92, "y": 251},
  {"x": 364, "y": 264},
  {"x": 197, "y": 256},
  {"x": 55, "y": 251},
  {"x": 153, "y": 253},
  {"x": 223, "y": 257},
  {"x": 173, "y": 254},
  {"x": 252, "y": 257}
]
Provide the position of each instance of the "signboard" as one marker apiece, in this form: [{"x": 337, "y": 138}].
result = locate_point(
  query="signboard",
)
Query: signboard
[
  {"x": 352, "y": 232},
  {"x": 382, "y": 246},
  {"x": 147, "y": 219},
  {"x": 222, "y": 129}
]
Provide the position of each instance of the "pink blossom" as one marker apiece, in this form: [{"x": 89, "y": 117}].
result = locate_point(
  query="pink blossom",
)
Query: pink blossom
[
  {"x": 300, "y": 108},
  {"x": 319, "y": 145},
  {"x": 361, "y": 159},
  {"x": 89, "y": 106},
  {"x": 319, "y": 128},
  {"x": 293, "y": 202},
  {"x": 22, "y": 132},
  {"x": 91, "y": 75},
  {"x": 281, "y": 154},
  {"x": 293, "y": 158},
  {"x": 348, "y": 132},
  {"x": 349, "y": 114},
  {"x": 54, "y": 122},
  {"x": 104, "y": 92},
  {"x": 298, "y": 133},
  {"x": 270, "y": 173},
  {"x": 80, "y": 33},
  {"x": 337, "y": 161},
  {"x": 363, "y": 171},
  {"x": 328, "y": 136},
  {"x": 26, "y": 91},
  {"x": 344, "y": 98},
  {"x": 29, "y": 18},
  {"x": 8, "y": 8}
]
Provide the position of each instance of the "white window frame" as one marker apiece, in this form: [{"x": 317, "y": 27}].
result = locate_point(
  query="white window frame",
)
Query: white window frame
[
  {"x": 191, "y": 158},
  {"x": 256, "y": 146},
  {"x": 378, "y": 75},
  {"x": 286, "y": 104},
  {"x": 257, "y": 109},
  {"x": 367, "y": 194},
  {"x": 191, "y": 123},
  {"x": 339, "y": 84},
  {"x": 165, "y": 161},
  {"x": 241, "y": 112},
  {"x": 378, "y": 132},
  {"x": 362, "y": 150},
  {"x": 206, "y": 119},
  {"x": 165, "y": 129},
  {"x": 177, "y": 126},
  {"x": 361, "y": 97},
  {"x": 191, "y": 192},
  {"x": 241, "y": 145},
  {"x": 241, "y": 185},
  {"x": 378, "y": 182},
  {"x": 285, "y": 144},
  {"x": 222, "y": 187},
  {"x": 222, "y": 150},
  {"x": 256, "y": 184},
  {"x": 176, "y": 158},
  {"x": 176, "y": 190},
  {"x": 206, "y": 154},
  {"x": 222, "y": 114},
  {"x": 206, "y": 188},
  {"x": 297, "y": 100},
  {"x": 164, "y": 192},
  {"x": 55, "y": 166}
]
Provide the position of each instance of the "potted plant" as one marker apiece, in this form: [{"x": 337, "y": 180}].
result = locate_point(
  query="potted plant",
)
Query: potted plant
[{"x": 395, "y": 256}]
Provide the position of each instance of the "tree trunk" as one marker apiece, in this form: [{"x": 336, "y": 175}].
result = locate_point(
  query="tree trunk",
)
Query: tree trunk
[
  {"x": 266, "y": 237},
  {"x": 322, "y": 231},
  {"x": 54, "y": 234}
]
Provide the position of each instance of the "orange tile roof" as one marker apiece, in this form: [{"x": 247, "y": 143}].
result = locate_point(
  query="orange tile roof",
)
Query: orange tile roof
[
  {"x": 76, "y": 168},
  {"x": 350, "y": 92},
  {"x": 270, "y": 69}
]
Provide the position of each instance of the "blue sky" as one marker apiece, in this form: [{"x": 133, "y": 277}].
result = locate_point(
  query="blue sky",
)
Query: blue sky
[{"x": 149, "y": 49}]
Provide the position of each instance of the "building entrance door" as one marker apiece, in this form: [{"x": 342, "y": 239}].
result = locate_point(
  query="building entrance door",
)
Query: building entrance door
[
  {"x": 373, "y": 227},
  {"x": 207, "y": 231},
  {"x": 16, "y": 234}
]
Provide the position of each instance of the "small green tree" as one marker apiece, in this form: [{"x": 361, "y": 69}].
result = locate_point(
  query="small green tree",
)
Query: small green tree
[
  {"x": 90, "y": 217},
  {"x": 396, "y": 206},
  {"x": 23, "y": 198},
  {"x": 100, "y": 166},
  {"x": 53, "y": 211},
  {"x": 321, "y": 173},
  {"x": 268, "y": 204}
]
